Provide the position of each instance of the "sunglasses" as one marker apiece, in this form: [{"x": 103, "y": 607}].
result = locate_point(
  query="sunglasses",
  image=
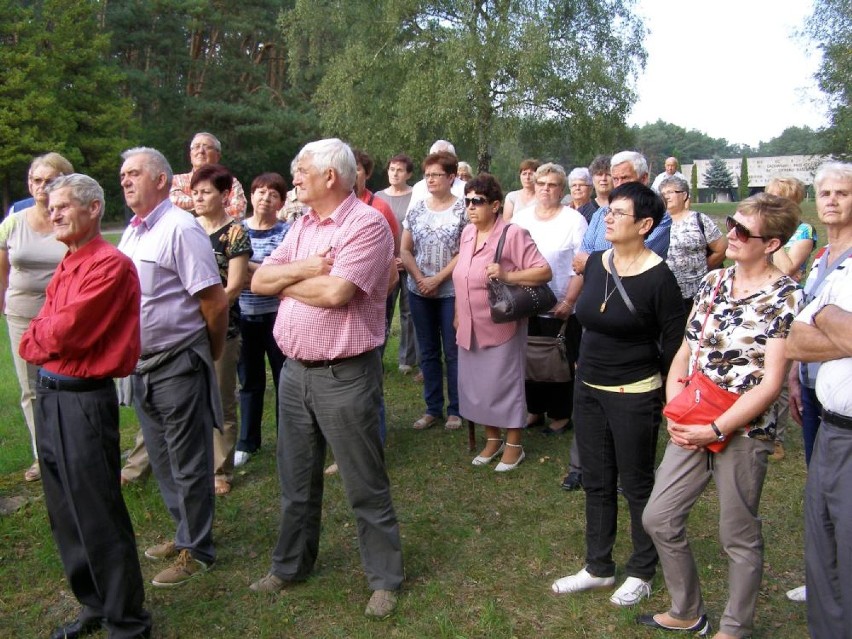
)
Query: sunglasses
[
  {"x": 475, "y": 201},
  {"x": 742, "y": 233}
]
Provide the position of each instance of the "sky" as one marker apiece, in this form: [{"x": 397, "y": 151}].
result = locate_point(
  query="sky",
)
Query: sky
[{"x": 732, "y": 69}]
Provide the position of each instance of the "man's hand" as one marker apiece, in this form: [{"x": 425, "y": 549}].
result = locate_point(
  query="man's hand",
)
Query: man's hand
[
  {"x": 319, "y": 264},
  {"x": 579, "y": 263},
  {"x": 795, "y": 387}
]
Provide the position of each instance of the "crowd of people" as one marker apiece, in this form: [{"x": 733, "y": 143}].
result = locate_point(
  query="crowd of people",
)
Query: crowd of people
[{"x": 200, "y": 295}]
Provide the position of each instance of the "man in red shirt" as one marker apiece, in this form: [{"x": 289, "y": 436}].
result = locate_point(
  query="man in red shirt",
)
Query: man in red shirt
[
  {"x": 331, "y": 274},
  {"x": 86, "y": 334}
]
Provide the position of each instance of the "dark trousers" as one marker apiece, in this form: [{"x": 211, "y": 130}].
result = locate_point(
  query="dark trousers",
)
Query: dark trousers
[
  {"x": 78, "y": 445},
  {"x": 257, "y": 346},
  {"x": 338, "y": 406},
  {"x": 433, "y": 321},
  {"x": 617, "y": 437},
  {"x": 811, "y": 418}
]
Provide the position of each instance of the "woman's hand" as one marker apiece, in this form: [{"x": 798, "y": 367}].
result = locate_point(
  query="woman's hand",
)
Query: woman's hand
[
  {"x": 562, "y": 310},
  {"x": 428, "y": 286},
  {"x": 495, "y": 272},
  {"x": 691, "y": 436}
]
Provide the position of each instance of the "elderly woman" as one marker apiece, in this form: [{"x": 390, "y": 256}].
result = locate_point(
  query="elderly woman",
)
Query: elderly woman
[
  {"x": 465, "y": 172},
  {"x": 522, "y": 198},
  {"x": 430, "y": 246},
  {"x": 696, "y": 244},
  {"x": 258, "y": 313},
  {"x": 210, "y": 186},
  {"x": 626, "y": 349},
  {"x": 735, "y": 336},
  {"x": 492, "y": 357},
  {"x": 579, "y": 195},
  {"x": 558, "y": 232},
  {"x": 28, "y": 245}
]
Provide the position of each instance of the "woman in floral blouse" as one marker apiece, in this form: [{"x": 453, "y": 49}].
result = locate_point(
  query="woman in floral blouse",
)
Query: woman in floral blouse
[{"x": 741, "y": 350}]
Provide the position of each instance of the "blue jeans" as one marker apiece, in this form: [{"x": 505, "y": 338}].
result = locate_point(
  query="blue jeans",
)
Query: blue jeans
[
  {"x": 257, "y": 343},
  {"x": 433, "y": 323},
  {"x": 811, "y": 415}
]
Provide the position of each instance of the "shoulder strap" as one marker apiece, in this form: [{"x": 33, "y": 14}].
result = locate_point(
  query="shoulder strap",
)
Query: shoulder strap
[
  {"x": 370, "y": 202},
  {"x": 824, "y": 268},
  {"x": 499, "y": 252},
  {"x": 701, "y": 226},
  {"x": 619, "y": 285},
  {"x": 707, "y": 317}
]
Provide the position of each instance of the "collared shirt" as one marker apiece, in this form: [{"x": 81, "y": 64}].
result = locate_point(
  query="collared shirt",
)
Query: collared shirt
[
  {"x": 471, "y": 283},
  {"x": 89, "y": 324},
  {"x": 595, "y": 238},
  {"x": 834, "y": 378},
  {"x": 181, "y": 195},
  {"x": 174, "y": 259},
  {"x": 362, "y": 248}
]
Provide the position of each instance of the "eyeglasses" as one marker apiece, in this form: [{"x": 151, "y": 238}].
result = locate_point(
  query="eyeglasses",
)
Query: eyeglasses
[
  {"x": 434, "y": 176},
  {"x": 615, "y": 213},
  {"x": 475, "y": 201},
  {"x": 41, "y": 181},
  {"x": 198, "y": 146},
  {"x": 548, "y": 185},
  {"x": 742, "y": 233}
]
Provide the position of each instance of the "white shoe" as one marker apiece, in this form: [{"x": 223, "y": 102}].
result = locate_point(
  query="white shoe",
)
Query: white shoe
[
  {"x": 405, "y": 369},
  {"x": 505, "y": 468},
  {"x": 331, "y": 470},
  {"x": 484, "y": 460},
  {"x": 799, "y": 595},
  {"x": 631, "y": 592},
  {"x": 580, "y": 582},
  {"x": 240, "y": 458}
]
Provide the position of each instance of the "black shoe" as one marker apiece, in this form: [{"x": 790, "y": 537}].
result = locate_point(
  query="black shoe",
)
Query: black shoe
[
  {"x": 701, "y": 627},
  {"x": 572, "y": 481},
  {"x": 77, "y": 628},
  {"x": 547, "y": 430}
]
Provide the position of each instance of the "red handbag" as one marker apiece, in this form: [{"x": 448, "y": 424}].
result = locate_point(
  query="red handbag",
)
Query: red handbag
[{"x": 701, "y": 401}]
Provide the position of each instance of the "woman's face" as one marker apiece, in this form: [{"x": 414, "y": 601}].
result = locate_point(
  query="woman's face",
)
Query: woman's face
[
  {"x": 480, "y": 211},
  {"x": 602, "y": 183},
  {"x": 745, "y": 242},
  {"x": 398, "y": 174},
  {"x": 39, "y": 177},
  {"x": 528, "y": 179},
  {"x": 549, "y": 189},
  {"x": 674, "y": 198},
  {"x": 265, "y": 201},
  {"x": 207, "y": 200},
  {"x": 622, "y": 227},
  {"x": 438, "y": 181},
  {"x": 580, "y": 193}
]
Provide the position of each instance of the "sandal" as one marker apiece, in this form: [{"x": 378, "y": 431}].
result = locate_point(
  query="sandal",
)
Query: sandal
[
  {"x": 427, "y": 421},
  {"x": 454, "y": 422},
  {"x": 482, "y": 460},
  {"x": 221, "y": 486},
  {"x": 33, "y": 473}
]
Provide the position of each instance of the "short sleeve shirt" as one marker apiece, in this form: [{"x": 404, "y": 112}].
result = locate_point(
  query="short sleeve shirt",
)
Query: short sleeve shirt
[
  {"x": 230, "y": 242},
  {"x": 687, "y": 257},
  {"x": 436, "y": 236}
]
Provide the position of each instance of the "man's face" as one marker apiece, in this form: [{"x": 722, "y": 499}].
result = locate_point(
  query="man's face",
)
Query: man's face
[
  {"x": 203, "y": 151},
  {"x": 624, "y": 173},
  {"x": 73, "y": 223},
  {"x": 310, "y": 184},
  {"x": 834, "y": 202},
  {"x": 142, "y": 190},
  {"x": 397, "y": 174},
  {"x": 671, "y": 166}
]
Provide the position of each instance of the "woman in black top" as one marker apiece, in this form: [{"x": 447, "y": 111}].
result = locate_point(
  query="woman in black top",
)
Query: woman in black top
[{"x": 624, "y": 353}]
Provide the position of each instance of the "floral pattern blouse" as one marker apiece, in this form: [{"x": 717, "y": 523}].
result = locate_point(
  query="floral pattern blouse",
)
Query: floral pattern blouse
[
  {"x": 687, "y": 256},
  {"x": 733, "y": 347},
  {"x": 230, "y": 241}
]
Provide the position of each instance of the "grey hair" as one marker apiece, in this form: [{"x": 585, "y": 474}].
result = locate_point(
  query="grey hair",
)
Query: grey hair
[
  {"x": 335, "y": 154},
  {"x": 156, "y": 162},
  {"x": 54, "y": 161},
  {"x": 640, "y": 164},
  {"x": 679, "y": 183},
  {"x": 442, "y": 145},
  {"x": 580, "y": 173},
  {"x": 550, "y": 167},
  {"x": 84, "y": 189},
  {"x": 833, "y": 170},
  {"x": 216, "y": 144}
]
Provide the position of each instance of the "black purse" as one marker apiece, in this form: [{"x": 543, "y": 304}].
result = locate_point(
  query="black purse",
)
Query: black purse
[{"x": 513, "y": 302}]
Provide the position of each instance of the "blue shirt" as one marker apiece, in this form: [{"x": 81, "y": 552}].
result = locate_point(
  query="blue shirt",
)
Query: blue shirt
[
  {"x": 263, "y": 242},
  {"x": 594, "y": 239}
]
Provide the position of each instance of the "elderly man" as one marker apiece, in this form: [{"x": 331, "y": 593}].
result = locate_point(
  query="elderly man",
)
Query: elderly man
[
  {"x": 579, "y": 197},
  {"x": 671, "y": 166},
  {"x": 87, "y": 333},
  {"x": 627, "y": 166},
  {"x": 184, "y": 320},
  {"x": 331, "y": 273},
  {"x": 205, "y": 149}
]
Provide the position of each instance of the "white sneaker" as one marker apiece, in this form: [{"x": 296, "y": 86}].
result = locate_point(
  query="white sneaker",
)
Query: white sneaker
[
  {"x": 798, "y": 595},
  {"x": 240, "y": 458},
  {"x": 405, "y": 369},
  {"x": 631, "y": 592},
  {"x": 580, "y": 582}
]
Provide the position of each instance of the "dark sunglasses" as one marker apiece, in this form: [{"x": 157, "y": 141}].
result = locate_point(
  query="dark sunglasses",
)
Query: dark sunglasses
[
  {"x": 475, "y": 201},
  {"x": 743, "y": 234}
]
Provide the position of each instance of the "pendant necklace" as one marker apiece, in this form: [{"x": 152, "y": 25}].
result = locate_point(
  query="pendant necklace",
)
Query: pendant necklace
[{"x": 606, "y": 282}]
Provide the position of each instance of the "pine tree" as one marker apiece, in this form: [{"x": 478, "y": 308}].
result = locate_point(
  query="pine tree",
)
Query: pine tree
[
  {"x": 742, "y": 189},
  {"x": 693, "y": 186},
  {"x": 718, "y": 177}
]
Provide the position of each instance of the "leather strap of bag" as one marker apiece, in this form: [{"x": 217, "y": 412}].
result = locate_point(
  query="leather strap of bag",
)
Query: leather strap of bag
[
  {"x": 704, "y": 325},
  {"x": 619, "y": 285},
  {"x": 499, "y": 252}
]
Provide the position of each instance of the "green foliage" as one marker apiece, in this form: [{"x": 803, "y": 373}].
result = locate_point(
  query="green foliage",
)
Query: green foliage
[
  {"x": 718, "y": 177},
  {"x": 462, "y": 71},
  {"x": 793, "y": 140},
  {"x": 660, "y": 140},
  {"x": 742, "y": 188}
]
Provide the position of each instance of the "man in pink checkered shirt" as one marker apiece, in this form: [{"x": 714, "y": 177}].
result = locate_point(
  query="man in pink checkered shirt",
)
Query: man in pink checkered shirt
[{"x": 331, "y": 274}]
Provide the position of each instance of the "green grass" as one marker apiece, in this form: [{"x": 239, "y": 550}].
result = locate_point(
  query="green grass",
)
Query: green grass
[{"x": 481, "y": 548}]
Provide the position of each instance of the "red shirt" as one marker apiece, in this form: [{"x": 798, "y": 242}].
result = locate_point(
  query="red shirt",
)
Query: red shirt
[
  {"x": 382, "y": 207},
  {"x": 362, "y": 247},
  {"x": 89, "y": 324}
]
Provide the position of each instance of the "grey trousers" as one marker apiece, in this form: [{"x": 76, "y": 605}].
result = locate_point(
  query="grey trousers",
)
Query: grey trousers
[
  {"x": 828, "y": 534},
  {"x": 682, "y": 476},
  {"x": 338, "y": 405},
  {"x": 177, "y": 423}
]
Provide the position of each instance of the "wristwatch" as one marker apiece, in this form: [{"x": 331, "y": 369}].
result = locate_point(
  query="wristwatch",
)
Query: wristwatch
[{"x": 720, "y": 436}]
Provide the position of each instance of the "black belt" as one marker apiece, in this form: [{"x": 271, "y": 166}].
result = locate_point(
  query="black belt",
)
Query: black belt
[
  {"x": 322, "y": 363},
  {"x": 75, "y": 384},
  {"x": 836, "y": 419}
]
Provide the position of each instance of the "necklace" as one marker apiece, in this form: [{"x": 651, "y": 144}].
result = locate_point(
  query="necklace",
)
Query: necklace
[
  {"x": 606, "y": 281},
  {"x": 752, "y": 286}
]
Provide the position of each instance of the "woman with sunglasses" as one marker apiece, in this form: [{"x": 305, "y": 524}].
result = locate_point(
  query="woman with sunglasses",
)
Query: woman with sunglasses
[
  {"x": 492, "y": 357},
  {"x": 696, "y": 244},
  {"x": 29, "y": 254},
  {"x": 429, "y": 252},
  {"x": 748, "y": 308}
]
